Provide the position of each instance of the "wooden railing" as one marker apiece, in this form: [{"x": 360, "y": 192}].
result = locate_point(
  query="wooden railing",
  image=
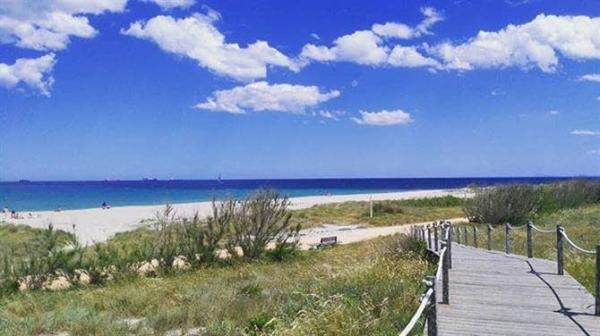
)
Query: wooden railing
[
  {"x": 442, "y": 248},
  {"x": 439, "y": 243},
  {"x": 561, "y": 238}
]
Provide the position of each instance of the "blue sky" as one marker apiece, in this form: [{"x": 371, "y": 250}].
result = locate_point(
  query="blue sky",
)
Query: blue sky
[{"x": 189, "y": 89}]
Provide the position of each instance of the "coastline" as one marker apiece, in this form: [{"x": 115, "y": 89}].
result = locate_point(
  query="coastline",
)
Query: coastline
[{"x": 97, "y": 225}]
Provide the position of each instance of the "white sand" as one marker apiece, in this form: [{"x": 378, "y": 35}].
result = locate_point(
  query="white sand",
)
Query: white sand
[{"x": 95, "y": 225}]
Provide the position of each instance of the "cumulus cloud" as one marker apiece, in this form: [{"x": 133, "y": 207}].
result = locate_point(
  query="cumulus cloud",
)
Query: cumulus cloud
[
  {"x": 594, "y": 151},
  {"x": 33, "y": 72},
  {"x": 383, "y": 118},
  {"x": 538, "y": 43},
  {"x": 409, "y": 57},
  {"x": 594, "y": 77},
  {"x": 585, "y": 132},
  {"x": 49, "y": 24},
  {"x": 170, "y": 4},
  {"x": 370, "y": 47},
  {"x": 403, "y": 31},
  {"x": 262, "y": 96},
  {"x": 197, "y": 37}
]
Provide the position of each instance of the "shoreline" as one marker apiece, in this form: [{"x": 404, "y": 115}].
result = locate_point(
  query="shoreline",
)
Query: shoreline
[{"x": 97, "y": 225}]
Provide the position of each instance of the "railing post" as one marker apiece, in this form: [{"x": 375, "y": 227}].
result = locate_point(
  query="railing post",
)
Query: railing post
[
  {"x": 457, "y": 232},
  {"x": 449, "y": 245},
  {"x": 475, "y": 236},
  {"x": 429, "y": 237},
  {"x": 489, "y": 237},
  {"x": 436, "y": 238},
  {"x": 597, "y": 280},
  {"x": 445, "y": 274},
  {"x": 432, "y": 312},
  {"x": 507, "y": 238},
  {"x": 559, "y": 250},
  {"x": 529, "y": 241},
  {"x": 466, "y": 234}
]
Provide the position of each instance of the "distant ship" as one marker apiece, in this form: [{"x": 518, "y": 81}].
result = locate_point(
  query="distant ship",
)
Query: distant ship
[
  {"x": 149, "y": 179},
  {"x": 219, "y": 179},
  {"x": 24, "y": 181}
]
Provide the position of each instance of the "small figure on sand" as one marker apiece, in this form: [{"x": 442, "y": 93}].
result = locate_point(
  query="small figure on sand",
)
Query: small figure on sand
[{"x": 105, "y": 206}]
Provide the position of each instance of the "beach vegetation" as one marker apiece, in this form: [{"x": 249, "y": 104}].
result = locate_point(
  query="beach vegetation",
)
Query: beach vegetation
[
  {"x": 385, "y": 213},
  {"x": 518, "y": 203},
  {"x": 366, "y": 288},
  {"x": 170, "y": 244}
]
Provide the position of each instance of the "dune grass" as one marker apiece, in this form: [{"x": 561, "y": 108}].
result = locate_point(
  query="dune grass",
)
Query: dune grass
[
  {"x": 581, "y": 224},
  {"x": 385, "y": 212},
  {"x": 368, "y": 288},
  {"x": 19, "y": 240}
]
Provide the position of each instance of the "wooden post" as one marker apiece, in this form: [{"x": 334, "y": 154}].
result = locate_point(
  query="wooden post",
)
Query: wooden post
[
  {"x": 507, "y": 238},
  {"x": 436, "y": 238},
  {"x": 429, "y": 237},
  {"x": 598, "y": 280},
  {"x": 445, "y": 274},
  {"x": 432, "y": 309},
  {"x": 559, "y": 250},
  {"x": 466, "y": 234},
  {"x": 449, "y": 245},
  {"x": 489, "y": 237},
  {"x": 370, "y": 207},
  {"x": 475, "y": 236},
  {"x": 529, "y": 241},
  {"x": 457, "y": 231}
]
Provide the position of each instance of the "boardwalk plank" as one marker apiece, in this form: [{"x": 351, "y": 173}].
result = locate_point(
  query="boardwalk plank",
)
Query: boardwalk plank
[{"x": 492, "y": 293}]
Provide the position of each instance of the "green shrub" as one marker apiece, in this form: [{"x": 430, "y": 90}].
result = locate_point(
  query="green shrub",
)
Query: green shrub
[
  {"x": 503, "y": 204},
  {"x": 261, "y": 218}
]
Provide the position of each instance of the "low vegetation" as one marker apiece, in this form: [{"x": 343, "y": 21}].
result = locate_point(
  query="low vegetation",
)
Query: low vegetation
[
  {"x": 385, "y": 213},
  {"x": 368, "y": 288},
  {"x": 237, "y": 230},
  {"x": 519, "y": 203}
]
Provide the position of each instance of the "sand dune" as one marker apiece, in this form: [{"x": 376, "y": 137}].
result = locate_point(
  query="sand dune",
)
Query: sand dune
[{"x": 94, "y": 225}]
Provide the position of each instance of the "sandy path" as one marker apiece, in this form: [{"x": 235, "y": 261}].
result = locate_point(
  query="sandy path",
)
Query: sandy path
[
  {"x": 354, "y": 233},
  {"x": 94, "y": 225}
]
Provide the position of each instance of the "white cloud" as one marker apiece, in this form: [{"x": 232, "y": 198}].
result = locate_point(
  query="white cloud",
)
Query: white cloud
[
  {"x": 262, "y": 96},
  {"x": 537, "y": 43},
  {"x": 369, "y": 47},
  {"x": 333, "y": 115},
  {"x": 553, "y": 112},
  {"x": 585, "y": 132},
  {"x": 594, "y": 77},
  {"x": 409, "y": 57},
  {"x": 393, "y": 30},
  {"x": 383, "y": 118},
  {"x": 170, "y": 4},
  {"x": 33, "y": 72},
  {"x": 49, "y": 24},
  {"x": 196, "y": 37},
  {"x": 315, "y": 36},
  {"x": 403, "y": 31}
]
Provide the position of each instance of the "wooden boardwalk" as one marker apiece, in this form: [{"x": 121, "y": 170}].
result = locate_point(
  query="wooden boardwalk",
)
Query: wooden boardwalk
[{"x": 492, "y": 293}]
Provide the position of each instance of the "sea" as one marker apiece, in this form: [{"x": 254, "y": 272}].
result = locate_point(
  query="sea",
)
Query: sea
[{"x": 38, "y": 196}]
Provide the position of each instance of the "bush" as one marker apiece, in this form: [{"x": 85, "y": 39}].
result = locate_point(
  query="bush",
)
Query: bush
[
  {"x": 513, "y": 204},
  {"x": 201, "y": 238},
  {"x": 386, "y": 208},
  {"x": 261, "y": 218},
  {"x": 569, "y": 194},
  {"x": 516, "y": 204}
]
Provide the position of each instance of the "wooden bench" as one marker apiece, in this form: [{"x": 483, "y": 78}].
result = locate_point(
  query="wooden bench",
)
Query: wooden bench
[{"x": 328, "y": 241}]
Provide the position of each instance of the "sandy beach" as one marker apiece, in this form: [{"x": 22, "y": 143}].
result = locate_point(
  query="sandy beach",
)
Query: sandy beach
[{"x": 95, "y": 225}]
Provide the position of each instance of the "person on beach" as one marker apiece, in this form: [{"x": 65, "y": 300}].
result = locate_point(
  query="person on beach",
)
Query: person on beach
[{"x": 105, "y": 206}]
